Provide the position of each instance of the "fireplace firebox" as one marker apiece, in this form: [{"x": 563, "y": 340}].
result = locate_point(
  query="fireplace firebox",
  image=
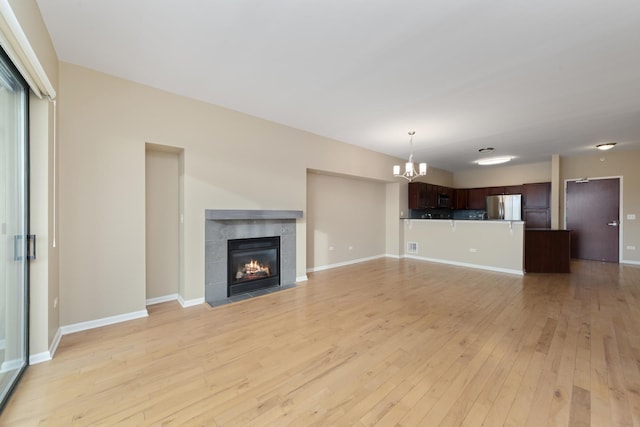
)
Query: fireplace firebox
[{"x": 253, "y": 264}]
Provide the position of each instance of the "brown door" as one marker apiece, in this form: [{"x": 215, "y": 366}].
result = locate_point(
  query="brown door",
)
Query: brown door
[{"x": 593, "y": 215}]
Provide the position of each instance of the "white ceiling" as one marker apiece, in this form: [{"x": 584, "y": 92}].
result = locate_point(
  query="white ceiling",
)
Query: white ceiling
[{"x": 530, "y": 78}]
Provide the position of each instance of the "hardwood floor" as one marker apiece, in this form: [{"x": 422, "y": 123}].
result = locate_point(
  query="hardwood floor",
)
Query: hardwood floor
[{"x": 385, "y": 342}]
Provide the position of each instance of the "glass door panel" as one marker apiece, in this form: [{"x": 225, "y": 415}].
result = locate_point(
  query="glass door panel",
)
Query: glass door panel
[{"x": 13, "y": 227}]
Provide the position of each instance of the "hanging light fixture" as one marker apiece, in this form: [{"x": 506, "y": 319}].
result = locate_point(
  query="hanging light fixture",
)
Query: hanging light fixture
[{"x": 410, "y": 172}]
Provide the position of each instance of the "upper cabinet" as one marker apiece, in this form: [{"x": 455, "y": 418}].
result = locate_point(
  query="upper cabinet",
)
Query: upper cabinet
[
  {"x": 478, "y": 198},
  {"x": 417, "y": 195},
  {"x": 537, "y": 195}
]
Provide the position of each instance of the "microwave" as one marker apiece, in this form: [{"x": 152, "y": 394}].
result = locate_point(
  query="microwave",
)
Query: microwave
[{"x": 443, "y": 201}]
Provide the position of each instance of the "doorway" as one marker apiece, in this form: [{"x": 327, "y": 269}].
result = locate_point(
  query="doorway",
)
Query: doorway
[
  {"x": 14, "y": 227},
  {"x": 593, "y": 216}
]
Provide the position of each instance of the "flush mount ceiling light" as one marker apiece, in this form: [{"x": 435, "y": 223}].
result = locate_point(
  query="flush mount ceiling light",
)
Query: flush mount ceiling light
[
  {"x": 494, "y": 161},
  {"x": 606, "y": 146},
  {"x": 410, "y": 172}
]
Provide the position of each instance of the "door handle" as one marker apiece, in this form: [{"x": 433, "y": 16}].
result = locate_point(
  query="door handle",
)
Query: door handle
[{"x": 614, "y": 223}]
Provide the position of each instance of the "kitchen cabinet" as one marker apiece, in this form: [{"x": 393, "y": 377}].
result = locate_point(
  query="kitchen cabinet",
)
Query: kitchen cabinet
[
  {"x": 460, "y": 198},
  {"x": 432, "y": 196},
  {"x": 536, "y": 205},
  {"x": 513, "y": 189},
  {"x": 477, "y": 198},
  {"x": 417, "y": 195},
  {"x": 495, "y": 191},
  {"x": 547, "y": 251},
  {"x": 537, "y": 195}
]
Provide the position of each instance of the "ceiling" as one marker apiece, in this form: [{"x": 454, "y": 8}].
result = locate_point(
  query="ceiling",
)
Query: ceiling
[{"x": 529, "y": 78}]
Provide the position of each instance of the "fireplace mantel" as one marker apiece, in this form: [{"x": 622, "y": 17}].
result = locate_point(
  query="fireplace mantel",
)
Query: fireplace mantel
[{"x": 236, "y": 214}]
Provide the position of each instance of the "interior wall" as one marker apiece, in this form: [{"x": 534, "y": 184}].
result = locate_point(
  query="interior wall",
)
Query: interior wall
[
  {"x": 162, "y": 223},
  {"x": 345, "y": 220},
  {"x": 231, "y": 161},
  {"x": 494, "y": 176},
  {"x": 606, "y": 165}
]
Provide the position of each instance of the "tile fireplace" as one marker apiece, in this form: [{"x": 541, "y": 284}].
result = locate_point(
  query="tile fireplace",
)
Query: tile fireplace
[{"x": 234, "y": 239}]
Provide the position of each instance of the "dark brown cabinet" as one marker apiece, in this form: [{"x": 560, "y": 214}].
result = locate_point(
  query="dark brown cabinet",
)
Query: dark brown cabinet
[
  {"x": 537, "y": 205},
  {"x": 537, "y": 195},
  {"x": 417, "y": 195},
  {"x": 547, "y": 251},
  {"x": 432, "y": 196},
  {"x": 513, "y": 189},
  {"x": 478, "y": 198},
  {"x": 460, "y": 199},
  {"x": 495, "y": 191}
]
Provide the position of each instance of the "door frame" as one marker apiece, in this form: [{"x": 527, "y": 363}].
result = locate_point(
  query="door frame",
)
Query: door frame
[{"x": 620, "y": 211}]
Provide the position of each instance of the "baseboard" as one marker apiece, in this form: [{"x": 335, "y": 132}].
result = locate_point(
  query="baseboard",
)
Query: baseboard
[
  {"x": 464, "y": 264},
  {"x": 34, "y": 359},
  {"x": 624, "y": 261},
  {"x": 302, "y": 278},
  {"x": 342, "y": 264},
  {"x": 92, "y": 324},
  {"x": 158, "y": 300},
  {"x": 189, "y": 303},
  {"x": 393, "y": 256}
]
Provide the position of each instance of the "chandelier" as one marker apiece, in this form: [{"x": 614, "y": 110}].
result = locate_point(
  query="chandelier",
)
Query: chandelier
[{"x": 410, "y": 172}]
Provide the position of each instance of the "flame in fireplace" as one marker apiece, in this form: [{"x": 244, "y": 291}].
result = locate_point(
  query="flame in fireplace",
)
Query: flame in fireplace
[{"x": 253, "y": 270}]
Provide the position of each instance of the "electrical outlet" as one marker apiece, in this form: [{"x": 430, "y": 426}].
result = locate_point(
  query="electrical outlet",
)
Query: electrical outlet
[
  {"x": 55, "y": 302},
  {"x": 331, "y": 248},
  {"x": 350, "y": 248},
  {"x": 631, "y": 248},
  {"x": 631, "y": 216},
  {"x": 473, "y": 250}
]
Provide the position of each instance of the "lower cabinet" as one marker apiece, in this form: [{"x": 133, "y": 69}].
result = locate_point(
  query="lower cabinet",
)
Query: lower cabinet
[
  {"x": 547, "y": 251},
  {"x": 537, "y": 218}
]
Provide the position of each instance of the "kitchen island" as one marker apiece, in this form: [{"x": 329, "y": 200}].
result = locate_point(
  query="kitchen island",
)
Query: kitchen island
[{"x": 488, "y": 245}]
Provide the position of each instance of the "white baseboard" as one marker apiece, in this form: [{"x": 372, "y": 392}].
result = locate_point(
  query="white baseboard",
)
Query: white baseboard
[
  {"x": 158, "y": 300},
  {"x": 302, "y": 278},
  {"x": 34, "y": 359},
  {"x": 624, "y": 261},
  {"x": 464, "y": 264},
  {"x": 342, "y": 264},
  {"x": 189, "y": 303},
  {"x": 393, "y": 256},
  {"x": 92, "y": 324}
]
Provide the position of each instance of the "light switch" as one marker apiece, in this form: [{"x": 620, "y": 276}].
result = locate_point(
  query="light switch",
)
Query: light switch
[{"x": 631, "y": 216}]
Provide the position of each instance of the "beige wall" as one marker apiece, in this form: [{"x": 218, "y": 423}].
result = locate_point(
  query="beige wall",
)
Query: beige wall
[
  {"x": 162, "y": 223},
  {"x": 345, "y": 220},
  {"x": 231, "y": 161},
  {"x": 624, "y": 164},
  {"x": 493, "y": 245},
  {"x": 494, "y": 176}
]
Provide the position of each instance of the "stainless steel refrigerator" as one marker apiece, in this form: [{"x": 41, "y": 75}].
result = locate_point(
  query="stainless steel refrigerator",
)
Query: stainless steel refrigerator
[{"x": 507, "y": 207}]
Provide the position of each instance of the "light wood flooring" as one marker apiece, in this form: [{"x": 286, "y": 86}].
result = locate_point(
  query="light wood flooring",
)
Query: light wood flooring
[{"x": 384, "y": 343}]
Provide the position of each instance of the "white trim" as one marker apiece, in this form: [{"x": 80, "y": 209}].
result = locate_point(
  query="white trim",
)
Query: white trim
[
  {"x": 35, "y": 74},
  {"x": 342, "y": 264},
  {"x": 54, "y": 343},
  {"x": 34, "y": 359},
  {"x": 3, "y": 344},
  {"x": 46, "y": 356},
  {"x": 302, "y": 278},
  {"x": 394, "y": 256},
  {"x": 92, "y": 324},
  {"x": 464, "y": 264},
  {"x": 626, "y": 261},
  {"x": 189, "y": 303},
  {"x": 158, "y": 300}
]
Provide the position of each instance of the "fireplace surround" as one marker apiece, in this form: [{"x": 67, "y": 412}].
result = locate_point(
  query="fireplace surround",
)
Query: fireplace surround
[{"x": 221, "y": 226}]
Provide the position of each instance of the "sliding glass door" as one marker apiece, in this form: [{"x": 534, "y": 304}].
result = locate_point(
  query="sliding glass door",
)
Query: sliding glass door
[{"x": 14, "y": 197}]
